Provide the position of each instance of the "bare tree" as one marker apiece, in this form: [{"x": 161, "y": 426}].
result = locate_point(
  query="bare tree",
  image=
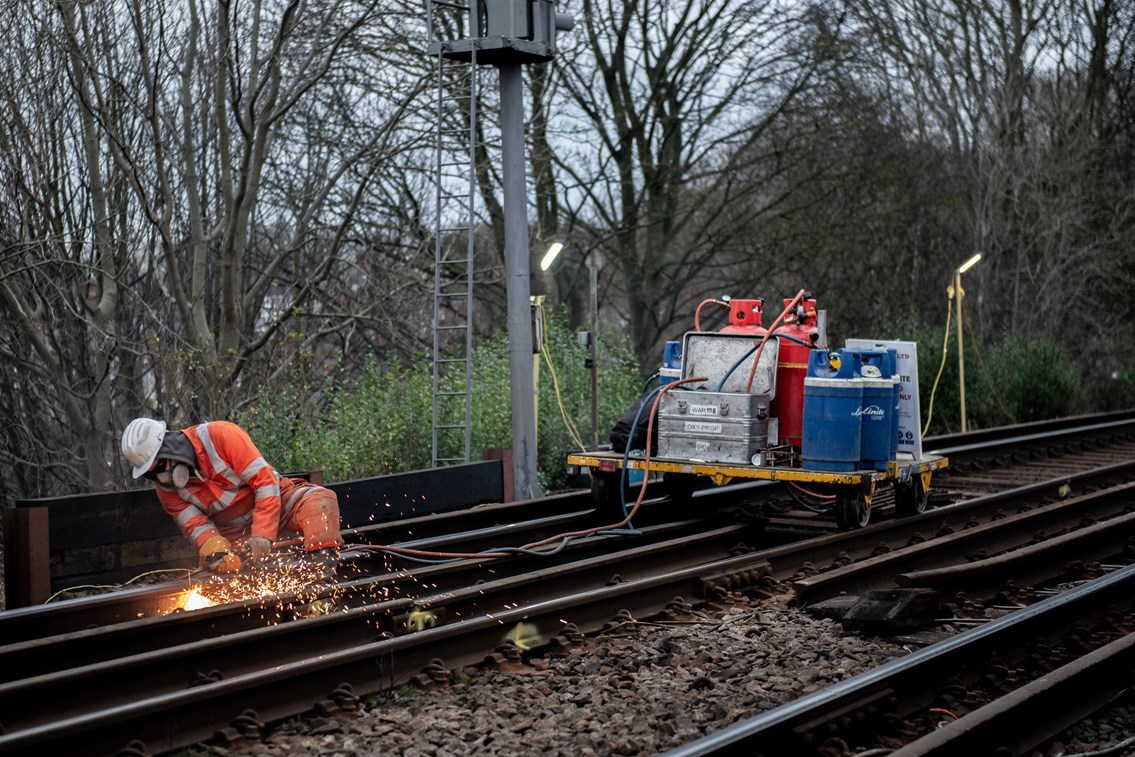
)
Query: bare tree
[
  {"x": 1004, "y": 87},
  {"x": 663, "y": 105},
  {"x": 190, "y": 197}
]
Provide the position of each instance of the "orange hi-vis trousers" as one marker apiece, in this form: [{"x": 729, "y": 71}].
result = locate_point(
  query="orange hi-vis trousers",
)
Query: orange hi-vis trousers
[
  {"x": 306, "y": 509},
  {"x": 315, "y": 513}
]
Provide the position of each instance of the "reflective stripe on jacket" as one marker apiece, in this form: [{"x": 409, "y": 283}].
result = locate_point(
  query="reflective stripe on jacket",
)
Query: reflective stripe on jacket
[{"x": 237, "y": 486}]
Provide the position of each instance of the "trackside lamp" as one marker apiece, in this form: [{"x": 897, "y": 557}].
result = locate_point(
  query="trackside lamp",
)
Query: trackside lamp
[
  {"x": 955, "y": 291},
  {"x": 551, "y": 255}
]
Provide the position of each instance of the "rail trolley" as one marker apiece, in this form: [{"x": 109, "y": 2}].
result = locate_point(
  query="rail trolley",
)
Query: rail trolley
[
  {"x": 771, "y": 404},
  {"x": 853, "y": 490}
]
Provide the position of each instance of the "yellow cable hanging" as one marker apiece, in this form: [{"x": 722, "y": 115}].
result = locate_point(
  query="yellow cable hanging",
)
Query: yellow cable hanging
[
  {"x": 188, "y": 571},
  {"x": 934, "y": 389},
  {"x": 569, "y": 424}
]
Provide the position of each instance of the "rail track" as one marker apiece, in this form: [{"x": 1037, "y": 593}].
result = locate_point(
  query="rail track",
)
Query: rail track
[
  {"x": 1010, "y": 685},
  {"x": 170, "y": 679},
  {"x": 1035, "y": 660}
]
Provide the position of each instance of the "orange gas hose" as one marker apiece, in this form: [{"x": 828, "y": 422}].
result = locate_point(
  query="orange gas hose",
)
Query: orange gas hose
[
  {"x": 764, "y": 340},
  {"x": 801, "y": 489},
  {"x": 703, "y": 303},
  {"x": 645, "y": 473}
]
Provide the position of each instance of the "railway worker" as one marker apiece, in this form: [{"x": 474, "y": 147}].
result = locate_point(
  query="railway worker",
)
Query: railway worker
[{"x": 225, "y": 497}]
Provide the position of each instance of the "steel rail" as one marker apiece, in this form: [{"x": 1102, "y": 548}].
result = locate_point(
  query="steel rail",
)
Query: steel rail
[
  {"x": 61, "y": 689},
  {"x": 128, "y": 604},
  {"x": 48, "y": 654},
  {"x": 997, "y": 534},
  {"x": 181, "y": 718},
  {"x": 1038, "y": 711},
  {"x": 135, "y": 676},
  {"x": 471, "y": 530},
  {"x": 472, "y": 519},
  {"x": 493, "y": 527},
  {"x": 784, "y": 729},
  {"x": 943, "y": 441},
  {"x": 1029, "y": 565},
  {"x": 74, "y": 680},
  {"x": 1041, "y": 437}
]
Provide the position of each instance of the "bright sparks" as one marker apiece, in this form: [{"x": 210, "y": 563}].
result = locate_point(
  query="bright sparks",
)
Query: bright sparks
[
  {"x": 292, "y": 584},
  {"x": 193, "y": 599}
]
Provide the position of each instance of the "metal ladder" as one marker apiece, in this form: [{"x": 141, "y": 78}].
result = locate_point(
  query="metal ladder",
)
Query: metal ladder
[{"x": 454, "y": 228}]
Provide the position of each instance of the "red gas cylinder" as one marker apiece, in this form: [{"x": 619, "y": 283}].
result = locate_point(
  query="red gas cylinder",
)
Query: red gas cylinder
[
  {"x": 745, "y": 317},
  {"x": 792, "y": 368}
]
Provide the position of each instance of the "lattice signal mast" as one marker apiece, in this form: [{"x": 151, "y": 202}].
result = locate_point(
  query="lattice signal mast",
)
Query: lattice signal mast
[{"x": 506, "y": 34}]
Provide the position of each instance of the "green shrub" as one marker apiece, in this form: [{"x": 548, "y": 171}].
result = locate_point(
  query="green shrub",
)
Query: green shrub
[
  {"x": 1016, "y": 380},
  {"x": 1112, "y": 388},
  {"x": 619, "y": 385},
  {"x": 380, "y": 422},
  {"x": 1037, "y": 378},
  {"x": 1124, "y": 396}
]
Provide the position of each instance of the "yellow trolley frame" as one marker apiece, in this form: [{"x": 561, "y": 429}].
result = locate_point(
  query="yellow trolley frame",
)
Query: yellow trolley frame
[{"x": 854, "y": 489}]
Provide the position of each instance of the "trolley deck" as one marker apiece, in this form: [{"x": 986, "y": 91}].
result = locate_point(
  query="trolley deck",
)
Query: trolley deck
[
  {"x": 723, "y": 473},
  {"x": 854, "y": 490}
]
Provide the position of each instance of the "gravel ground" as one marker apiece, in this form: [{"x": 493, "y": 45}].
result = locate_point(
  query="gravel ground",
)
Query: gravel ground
[{"x": 641, "y": 689}]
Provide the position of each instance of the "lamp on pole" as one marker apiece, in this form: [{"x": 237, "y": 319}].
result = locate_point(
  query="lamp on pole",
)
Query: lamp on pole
[
  {"x": 551, "y": 255},
  {"x": 955, "y": 292},
  {"x": 587, "y": 339},
  {"x": 593, "y": 356},
  {"x": 538, "y": 320}
]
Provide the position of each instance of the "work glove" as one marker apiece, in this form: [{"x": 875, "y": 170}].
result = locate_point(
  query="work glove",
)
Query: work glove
[
  {"x": 217, "y": 555},
  {"x": 257, "y": 548}
]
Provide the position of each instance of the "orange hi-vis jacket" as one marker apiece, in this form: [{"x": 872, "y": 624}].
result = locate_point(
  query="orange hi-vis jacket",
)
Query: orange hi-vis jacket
[{"x": 236, "y": 488}]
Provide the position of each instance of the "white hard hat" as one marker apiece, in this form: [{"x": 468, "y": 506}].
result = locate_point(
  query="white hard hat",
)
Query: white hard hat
[{"x": 140, "y": 443}]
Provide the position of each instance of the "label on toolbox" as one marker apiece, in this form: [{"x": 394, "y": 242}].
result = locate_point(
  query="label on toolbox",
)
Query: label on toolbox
[
  {"x": 712, "y": 427},
  {"x": 702, "y": 427}
]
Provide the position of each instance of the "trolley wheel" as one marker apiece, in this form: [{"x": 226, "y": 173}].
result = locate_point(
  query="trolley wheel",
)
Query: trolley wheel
[
  {"x": 679, "y": 486},
  {"x": 851, "y": 509},
  {"x": 910, "y": 497},
  {"x": 605, "y": 494}
]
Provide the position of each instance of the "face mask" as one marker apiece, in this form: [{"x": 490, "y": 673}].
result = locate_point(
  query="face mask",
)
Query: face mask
[
  {"x": 181, "y": 476},
  {"x": 178, "y": 477}
]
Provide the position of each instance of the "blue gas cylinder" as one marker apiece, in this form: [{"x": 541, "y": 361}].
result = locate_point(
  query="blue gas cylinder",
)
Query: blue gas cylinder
[
  {"x": 881, "y": 393},
  {"x": 671, "y": 369},
  {"x": 875, "y": 418},
  {"x": 896, "y": 390},
  {"x": 832, "y": 428}
]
